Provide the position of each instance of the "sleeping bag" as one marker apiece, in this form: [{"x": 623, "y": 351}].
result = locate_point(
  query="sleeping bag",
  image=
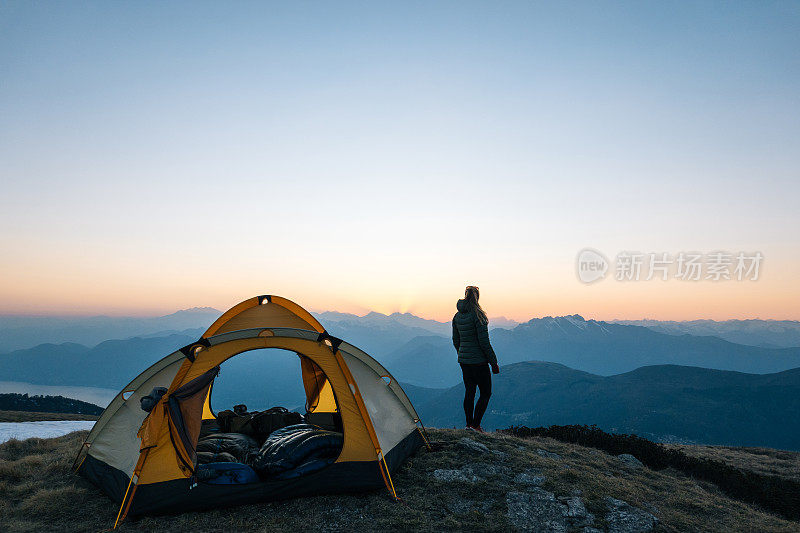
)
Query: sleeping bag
[
  {"x": 296, "y": 448},
  {"x": 226, "y": 474},
  {"x": 217, "y": 447},
  {"x": 215, "y": 457}
]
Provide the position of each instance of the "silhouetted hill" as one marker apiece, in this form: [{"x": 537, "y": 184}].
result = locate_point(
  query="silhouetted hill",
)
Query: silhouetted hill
[
  {"x": 666, "y": 402},
  {"x": 47, "y": 404}
]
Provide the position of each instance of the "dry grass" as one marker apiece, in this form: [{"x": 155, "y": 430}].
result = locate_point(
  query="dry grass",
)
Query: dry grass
[
  {"x": 679, "y": 502},
  {"x": 761, "y": 460},
  {"x": 30, "y": 416},
  {"x": 37, "y": 493}
]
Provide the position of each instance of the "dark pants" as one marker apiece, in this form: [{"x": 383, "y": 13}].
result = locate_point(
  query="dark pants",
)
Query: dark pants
[{"x": 476, "y": 376}]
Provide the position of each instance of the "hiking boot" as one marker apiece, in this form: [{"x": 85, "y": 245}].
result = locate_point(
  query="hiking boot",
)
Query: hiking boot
[
  {"x": 479, "y": 429},
  {"x": 470, "y": 428}
]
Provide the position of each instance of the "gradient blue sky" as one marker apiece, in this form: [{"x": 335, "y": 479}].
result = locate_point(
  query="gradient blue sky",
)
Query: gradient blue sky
[{"x": 359, "y": 156}]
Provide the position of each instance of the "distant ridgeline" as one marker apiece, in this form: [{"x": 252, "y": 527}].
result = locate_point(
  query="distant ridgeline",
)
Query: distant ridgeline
[{"x": 47, "y": 404}]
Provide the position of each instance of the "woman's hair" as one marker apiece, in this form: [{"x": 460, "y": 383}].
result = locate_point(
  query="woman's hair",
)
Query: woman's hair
[{"x": 471, "y": 295}]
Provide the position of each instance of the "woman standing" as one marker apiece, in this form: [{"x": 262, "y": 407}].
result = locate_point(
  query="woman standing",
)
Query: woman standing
[{"x": 475, "y": 355}]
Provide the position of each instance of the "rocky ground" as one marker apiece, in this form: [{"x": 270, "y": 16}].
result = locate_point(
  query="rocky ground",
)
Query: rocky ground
[
  {"x": 529, "y": 507},
  {"x": 469, "y": 482}
]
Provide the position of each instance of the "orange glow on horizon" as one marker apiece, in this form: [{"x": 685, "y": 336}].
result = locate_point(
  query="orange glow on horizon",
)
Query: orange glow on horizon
[{"x": 614, "y": 300}]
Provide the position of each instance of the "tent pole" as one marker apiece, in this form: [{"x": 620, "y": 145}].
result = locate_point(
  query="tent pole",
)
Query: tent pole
[
  {"x": 390, "y": 484},
  {"x": 122, "y": 505},
  {"x": 80, "y": 458},
  {"x": 125, "y": 507},
  {"x": 424, "y": 433}
]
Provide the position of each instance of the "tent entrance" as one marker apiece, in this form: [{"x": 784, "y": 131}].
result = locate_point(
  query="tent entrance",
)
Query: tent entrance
[
  {"x": 269, "y": 414},
  {"x": 270, "y": 377}
]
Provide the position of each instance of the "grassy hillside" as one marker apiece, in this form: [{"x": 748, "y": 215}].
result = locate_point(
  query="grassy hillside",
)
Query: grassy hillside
[
  {"x": 761, "y": 460},
  {"x": 490, "y": 483}
]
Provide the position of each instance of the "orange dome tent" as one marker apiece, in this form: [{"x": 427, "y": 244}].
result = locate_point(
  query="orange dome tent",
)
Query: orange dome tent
[{"x": 146, "y": 461}]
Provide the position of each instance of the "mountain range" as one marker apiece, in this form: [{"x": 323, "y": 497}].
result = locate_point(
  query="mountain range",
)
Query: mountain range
[
  {"x": 19, "y": 332},
  {"x": 765, "y": 333},
  {"x": 373, "y": 332},
  {"x": 666, "y": 402},
  {"x": 22, "y": 331},
  {"x": 606, "y": 348},
  {"x": 412, "y": 350},
  {"x": 555, "y": 370},
  {"x": 111, "y": 364},
  {"x": 379, "y": 334},
  {"x": 597, "y": 347}
]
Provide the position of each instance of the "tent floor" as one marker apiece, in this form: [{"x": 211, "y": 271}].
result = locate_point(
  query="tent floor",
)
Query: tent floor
[{"x": 177, "y": 496}]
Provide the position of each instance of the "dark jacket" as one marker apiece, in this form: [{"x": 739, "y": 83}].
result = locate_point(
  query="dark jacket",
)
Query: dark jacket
[{"x": 471, "y": 337}]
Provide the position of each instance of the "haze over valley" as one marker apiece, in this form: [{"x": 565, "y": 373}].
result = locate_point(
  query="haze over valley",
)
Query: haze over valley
[{"x": 655, "y": 380}]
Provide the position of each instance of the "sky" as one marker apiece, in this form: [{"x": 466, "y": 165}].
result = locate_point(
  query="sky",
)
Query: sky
[{"x": 381, "y": 156}]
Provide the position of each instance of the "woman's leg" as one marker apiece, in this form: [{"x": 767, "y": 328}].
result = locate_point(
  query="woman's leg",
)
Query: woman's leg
[
  {"x": 469, "y": 392},
  {"x": 484, "y": 380}
]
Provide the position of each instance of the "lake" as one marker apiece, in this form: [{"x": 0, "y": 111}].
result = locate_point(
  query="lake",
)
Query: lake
[
  {"x": 42, "y": 430},
  {"x": 95, "y": 395}
]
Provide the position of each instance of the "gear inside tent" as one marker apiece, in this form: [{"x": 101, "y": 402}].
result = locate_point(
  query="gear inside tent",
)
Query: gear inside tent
[{"x": 160, "y": 448}]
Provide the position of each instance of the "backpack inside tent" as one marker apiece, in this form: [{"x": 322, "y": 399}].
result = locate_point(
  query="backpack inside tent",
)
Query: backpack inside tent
[{"x": 159, "y": 447}]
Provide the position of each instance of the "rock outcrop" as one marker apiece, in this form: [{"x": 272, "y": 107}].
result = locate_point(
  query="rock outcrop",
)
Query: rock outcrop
[
  {"x": 624, "y": 518},
  {"x": 540, "y": 510},
  {"x": 630, "y": 461}
]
